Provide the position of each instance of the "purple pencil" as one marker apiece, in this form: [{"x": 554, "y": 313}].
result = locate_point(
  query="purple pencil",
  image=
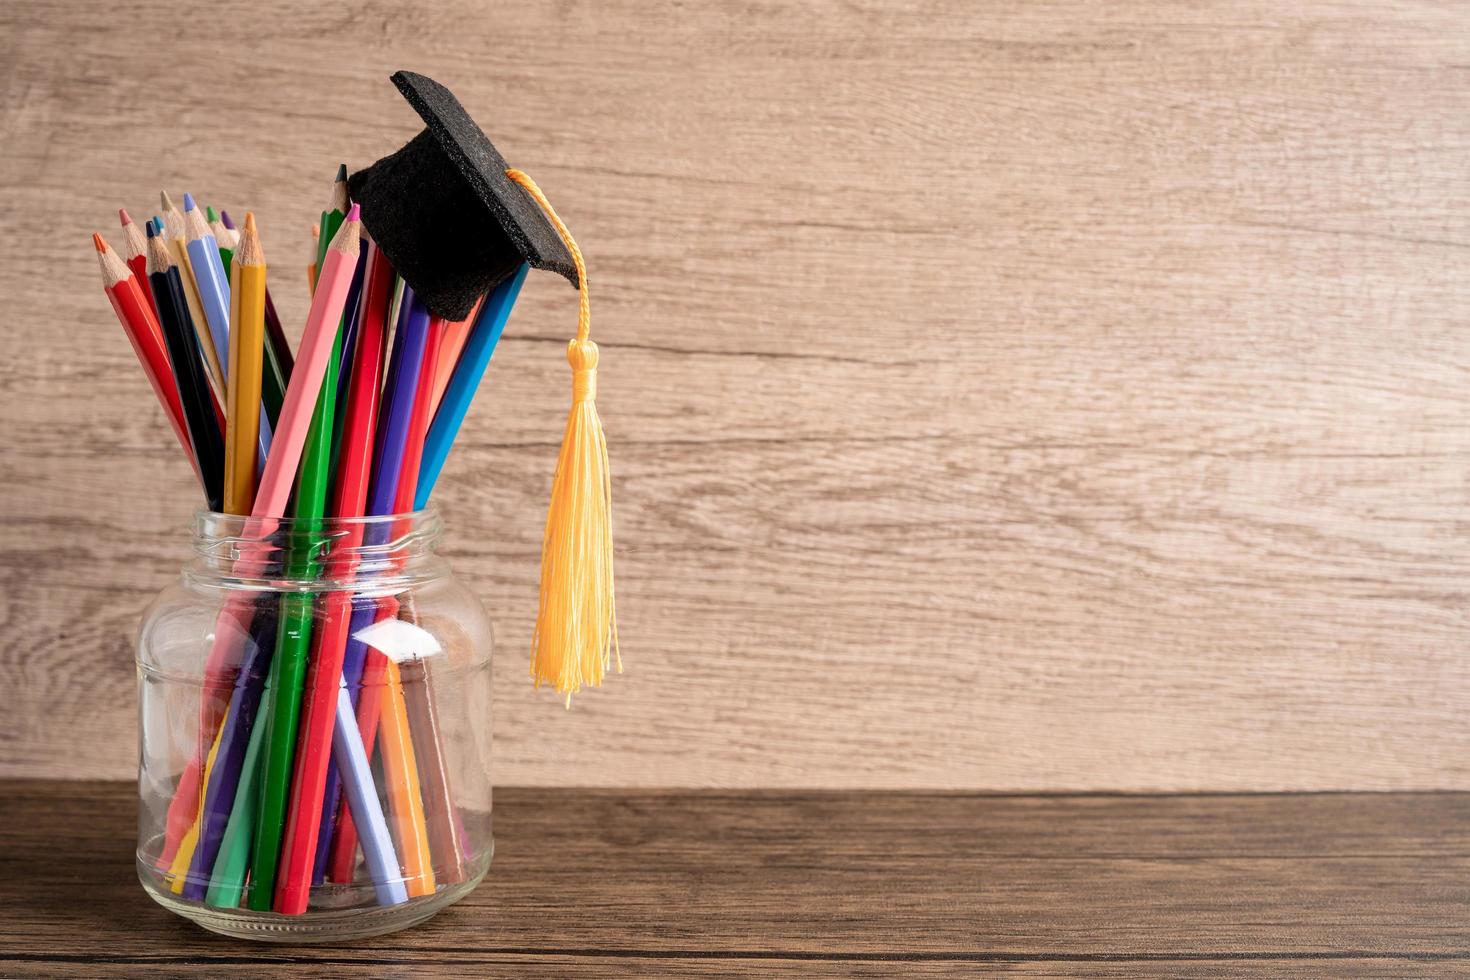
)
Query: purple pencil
[
  {"x": 399, "y": 385},
  {"x": 224, "y": 776}
]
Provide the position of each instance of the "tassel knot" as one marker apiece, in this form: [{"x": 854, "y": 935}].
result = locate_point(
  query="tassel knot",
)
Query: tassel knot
[{"x": 582, "y": 356}]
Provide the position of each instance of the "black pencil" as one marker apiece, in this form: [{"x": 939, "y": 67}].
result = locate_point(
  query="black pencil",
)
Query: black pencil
[{"x": 187, "y": 361}]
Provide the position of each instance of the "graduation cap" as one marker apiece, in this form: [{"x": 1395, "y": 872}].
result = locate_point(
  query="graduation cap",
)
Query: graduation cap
[
  {"x": 443, "y": 211},
  {"x": 455, "y": 222}
]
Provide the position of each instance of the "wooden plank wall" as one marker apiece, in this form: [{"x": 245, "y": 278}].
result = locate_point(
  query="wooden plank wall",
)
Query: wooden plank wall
[{"x": 1002, "y": 395}]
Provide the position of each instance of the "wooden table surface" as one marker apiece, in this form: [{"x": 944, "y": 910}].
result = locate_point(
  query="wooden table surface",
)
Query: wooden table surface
[{"x": 602, "y": 883}]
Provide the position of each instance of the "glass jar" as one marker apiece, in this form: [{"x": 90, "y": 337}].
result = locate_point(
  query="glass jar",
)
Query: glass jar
[{"x": 315, "y": 725}]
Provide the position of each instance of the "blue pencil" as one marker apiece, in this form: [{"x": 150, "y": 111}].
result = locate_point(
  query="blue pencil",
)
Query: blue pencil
[{"x": 473, "y": 360}]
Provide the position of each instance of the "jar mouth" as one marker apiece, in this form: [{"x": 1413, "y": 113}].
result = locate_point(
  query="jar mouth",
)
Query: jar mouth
[{"x": 314, "y": 552}]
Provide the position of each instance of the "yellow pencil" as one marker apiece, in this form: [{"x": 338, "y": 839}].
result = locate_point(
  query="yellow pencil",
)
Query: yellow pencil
[
  {"x": 174, "y": 238},
  {"x": 247, "y": 340}
]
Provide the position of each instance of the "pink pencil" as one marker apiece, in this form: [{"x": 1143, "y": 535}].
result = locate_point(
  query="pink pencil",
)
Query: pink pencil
[{"x": 276, "y": 481}]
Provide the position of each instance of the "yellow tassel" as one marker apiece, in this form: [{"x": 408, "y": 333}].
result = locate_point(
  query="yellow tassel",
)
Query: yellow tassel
[{"x": 576, "y": 634}]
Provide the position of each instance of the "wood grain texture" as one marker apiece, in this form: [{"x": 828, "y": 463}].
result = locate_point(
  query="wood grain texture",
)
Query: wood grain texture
[
  {"x": 1023, "y": 396},
  {"x": 605, "y": 883}
]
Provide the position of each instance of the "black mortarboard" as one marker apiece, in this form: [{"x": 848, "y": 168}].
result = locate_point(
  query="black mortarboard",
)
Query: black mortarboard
[{"x": 444, "y": 213}]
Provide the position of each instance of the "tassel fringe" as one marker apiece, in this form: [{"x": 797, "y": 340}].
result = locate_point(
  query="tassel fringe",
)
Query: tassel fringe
[{"x": 576, "y": 637}]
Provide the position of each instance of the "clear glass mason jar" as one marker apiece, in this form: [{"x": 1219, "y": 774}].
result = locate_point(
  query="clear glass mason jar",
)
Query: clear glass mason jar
[{"x": 315, "y": 727}]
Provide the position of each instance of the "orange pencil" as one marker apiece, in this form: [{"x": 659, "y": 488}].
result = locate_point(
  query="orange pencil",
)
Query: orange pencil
[
  {"x": 141, "y": 325},
  {"x": 400, "y": 772}
]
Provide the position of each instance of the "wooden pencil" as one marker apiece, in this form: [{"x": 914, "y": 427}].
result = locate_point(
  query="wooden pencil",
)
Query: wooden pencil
[
  {"x": 456, "y": 333},
  {"x": 316, "y": 238},
  {"x": 135, "y": 253},
  {"x": 271, "y": 497},
  {"x": 304, "y": 822},
  {"x": 278, "y": 360},
  {"x": 354, "y": 475},
  {"x": 465, "y": 380},
  {"x": 247, "y": 343},
  {"x": 209, "y": 281},
  {"x": 293, "y": 637},
  {"x": 367, "y": 665},
  {"x": 406, "y": 799},
  {"x": 125, "y": 291},
  {"x": 174, "y": 238},
  {"x": 226, "y": 240},
  {"x": 186, "y": 361}
]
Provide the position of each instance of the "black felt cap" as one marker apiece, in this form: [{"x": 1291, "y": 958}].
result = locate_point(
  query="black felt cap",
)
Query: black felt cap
[{"x": 444, "y": 213}]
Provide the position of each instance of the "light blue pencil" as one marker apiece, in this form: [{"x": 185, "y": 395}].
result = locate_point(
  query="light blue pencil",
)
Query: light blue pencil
[
  {"x": 473, "y": 360},
  {"x": 367, "y": 809},
  {"x": 214, "y": 297}
]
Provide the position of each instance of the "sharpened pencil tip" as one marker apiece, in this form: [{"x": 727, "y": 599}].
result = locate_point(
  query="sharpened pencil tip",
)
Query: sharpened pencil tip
[
  {"x": 168, "y": 202},
  {"x": 124, "y": 217},
  {"x": 250, "y": 222},
  {"x": 97, "y": 241},
  {"x": 152, "y": 230},
  {"x": 354, "y": 213},
  {"x": 341, "y": 173},
  {"x": 210, "y": 214},
  {"x": 188, "y": 201},
  {"x": 229, "y": 222}
]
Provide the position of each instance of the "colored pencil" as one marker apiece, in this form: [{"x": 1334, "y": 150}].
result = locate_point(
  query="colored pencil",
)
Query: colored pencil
[
  {"x": 293, "y": 637},
  {"x": 304, "y": 821},
  {"x": 182, "y": 343},
  {"x": 227, "y": 242},
  {"x": 223, "y": 768},
  {"x": 316, "y": 239},
  {"x": 349, "y": 344},
  {"x": 247, "y": 351},
  {"x": 364, "y": 670},
  {"x": 407, "y": 801},
  {"x": 144, "y": 333},
  {"x": 440, "y": 813},
  {"x": 271, "y": 497},
  {"x": 135, "y": 253},
  {"x": 456, "y": 333},
  {"x": 209, "y": 279},
  {"x": 405, "y": 795},
  {"x": 214, "y": 295},
  {"x": 351, "y": 757},
  {"x": 175, "y": 239},
  {"x": 227, "y": 878},
  {"x": 278, "y": 360},
  {"x": 465, "y": 380}
]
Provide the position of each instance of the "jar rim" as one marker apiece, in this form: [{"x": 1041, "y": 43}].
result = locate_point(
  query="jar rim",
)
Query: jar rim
[{"x": 314, "y": 552}]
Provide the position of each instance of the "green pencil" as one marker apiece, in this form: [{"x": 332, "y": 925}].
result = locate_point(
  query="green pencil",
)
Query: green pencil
[
  {"x": 293, "y": 642},
  {"x": 293, "y": 636}
]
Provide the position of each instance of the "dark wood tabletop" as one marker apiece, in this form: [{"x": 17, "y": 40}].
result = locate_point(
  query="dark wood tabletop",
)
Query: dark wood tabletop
[{"x": 601, "y": 883}]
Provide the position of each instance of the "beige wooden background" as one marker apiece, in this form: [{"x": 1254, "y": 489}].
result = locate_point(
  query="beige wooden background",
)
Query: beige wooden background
[{"x": 1002, "y": 395}]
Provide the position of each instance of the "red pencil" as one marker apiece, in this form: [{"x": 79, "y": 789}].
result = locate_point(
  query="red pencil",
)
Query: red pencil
[
  {"x": 324, "y": 671},
  {"x": 455, "y": 335},
  {"x": 141, "y": 325},
  {"x": 135, "y": 252}
]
